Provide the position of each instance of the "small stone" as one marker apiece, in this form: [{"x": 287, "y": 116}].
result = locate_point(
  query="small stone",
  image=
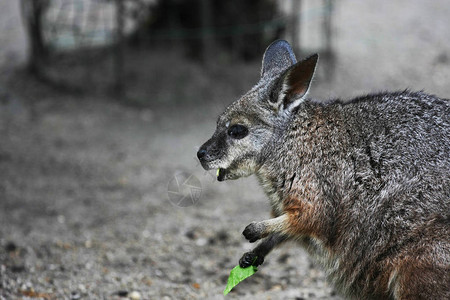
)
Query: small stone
[
  {"x": 223, "y": 236},
  {"x": 122, "y": 293},
  {"x": 201, "y": 242},
  {"x": 135, "y": 295},
  {"x": 191, "y": 234},
  {"x": 10, "y": 247},
  {"x": 146, "y": 281},
  {"x": 88, "y": 244},
  {"x": 276, "y": 287},
  {"x": 61, "y": 219},
  {"x": 17, "y": 268},
  {"x": 75, "y": 295},
  {"x": 196, "y": 286},
  {"x": 82, "y": 288}
]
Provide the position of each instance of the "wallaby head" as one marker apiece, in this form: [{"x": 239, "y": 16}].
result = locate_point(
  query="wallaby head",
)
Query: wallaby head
[{"x": 248, "y": 124}]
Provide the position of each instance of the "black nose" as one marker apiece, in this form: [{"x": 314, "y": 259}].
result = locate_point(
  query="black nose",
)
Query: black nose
[{"x": 201, "y": 153}]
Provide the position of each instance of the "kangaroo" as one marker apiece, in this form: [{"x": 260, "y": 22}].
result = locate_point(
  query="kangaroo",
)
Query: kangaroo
[{"x": 363, "y": 185}]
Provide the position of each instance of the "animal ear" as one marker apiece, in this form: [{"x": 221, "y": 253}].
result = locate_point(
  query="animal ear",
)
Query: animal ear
[
  {"x": 278, "y": 57},
  {"x": 295, "y": 82}
]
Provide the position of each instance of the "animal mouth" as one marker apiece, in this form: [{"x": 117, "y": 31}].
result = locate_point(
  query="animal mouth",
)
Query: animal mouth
[{"x": 221, "y": 173}]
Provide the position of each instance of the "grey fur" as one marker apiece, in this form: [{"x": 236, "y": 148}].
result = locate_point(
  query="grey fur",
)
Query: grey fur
[
  {"x": 278, "y": 57},
  {"x": 372, "y": 175}
]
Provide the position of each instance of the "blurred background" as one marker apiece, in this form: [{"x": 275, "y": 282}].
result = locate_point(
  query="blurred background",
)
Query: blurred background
[{"x": 104, "y": 103}]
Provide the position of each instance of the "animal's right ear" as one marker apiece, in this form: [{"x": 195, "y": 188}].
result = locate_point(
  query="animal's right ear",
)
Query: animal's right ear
[
  {"x": 278, "y": 57},
  {"x": 292, "y": 86}
]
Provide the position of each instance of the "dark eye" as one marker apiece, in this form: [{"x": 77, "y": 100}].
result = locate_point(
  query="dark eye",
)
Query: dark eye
[{"x": 237, "y": 131}]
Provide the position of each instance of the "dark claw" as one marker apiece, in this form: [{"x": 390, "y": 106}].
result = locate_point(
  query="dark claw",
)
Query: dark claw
[
  {"x": 252, "y": 232},
  {"x": 250, "y": 259}
]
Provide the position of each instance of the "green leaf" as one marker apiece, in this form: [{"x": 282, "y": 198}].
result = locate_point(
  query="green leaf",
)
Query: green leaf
[{"x": 237, "y": 275}]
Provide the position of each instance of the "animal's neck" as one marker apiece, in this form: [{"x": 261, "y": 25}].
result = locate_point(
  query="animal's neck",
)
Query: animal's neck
[
  {"x": 277, "y": 171},
  {"x": 303, "y": 140}
]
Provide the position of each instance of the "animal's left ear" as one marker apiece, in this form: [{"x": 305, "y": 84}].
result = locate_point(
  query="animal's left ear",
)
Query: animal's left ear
[
  {"x": 295, "y": 82},
  {"x": 277, "y": 58}
]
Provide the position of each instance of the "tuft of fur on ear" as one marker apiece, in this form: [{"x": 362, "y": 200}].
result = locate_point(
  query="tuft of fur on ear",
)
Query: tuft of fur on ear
[
  {"x": 277, "y": 58},
  {"x": 295, "y": 83}
]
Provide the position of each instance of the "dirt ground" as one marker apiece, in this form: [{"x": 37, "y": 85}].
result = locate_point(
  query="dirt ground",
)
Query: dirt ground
[{"x": 89, "y": 207}]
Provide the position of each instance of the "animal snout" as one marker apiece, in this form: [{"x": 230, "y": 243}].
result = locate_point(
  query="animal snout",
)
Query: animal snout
[
  {"x": 206, "y": 156},
  {"x": 209, "y": 153},
  {"x": 201, "y": 153}
]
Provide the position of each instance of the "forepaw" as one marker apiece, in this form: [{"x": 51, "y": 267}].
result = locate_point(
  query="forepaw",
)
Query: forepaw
[
  {"x": 250, "y": 259},
  {"x": 254, "y": 231}
]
